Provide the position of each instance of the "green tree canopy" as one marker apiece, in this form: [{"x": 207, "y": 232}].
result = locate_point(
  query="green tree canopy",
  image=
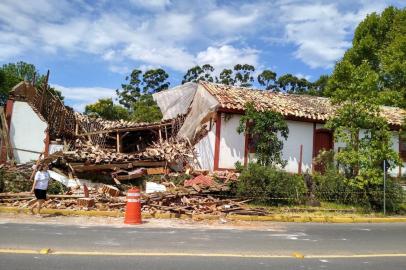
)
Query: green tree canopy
[
  {"x": 152, "y": 81},
  {"x": 146, "y": 110},
  {"x": 155, "y": 80},
  {"x": 243, "y": 75},
  {"x": 197, "y": 73},
  {"x": 13, "y": 73},
  {"x": 105, "y": 109},
  {"x": 292, "y": 84},
  {"x": 226, "y": 77},
  {"x": 131, "y": 91},
  {"x": 318, "y": 87},
  {"x": 380, "y": 42},
  {"x": 267, "y": 79},
  {"x": 265, "y": 127},
  {"x": 359, "y": 125}
]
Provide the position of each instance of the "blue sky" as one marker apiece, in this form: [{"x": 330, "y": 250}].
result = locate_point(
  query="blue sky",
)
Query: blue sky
[{"x": 90, "y": 46}]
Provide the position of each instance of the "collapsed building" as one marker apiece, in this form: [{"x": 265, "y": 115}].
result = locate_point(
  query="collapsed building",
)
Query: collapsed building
[
  {"x": 198, "y": 129},
  {"x": 197, "y": 140}
]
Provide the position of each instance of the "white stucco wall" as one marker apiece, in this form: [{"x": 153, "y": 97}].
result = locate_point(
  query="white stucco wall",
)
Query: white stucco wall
[
  {"x": 27, "y": 133},
  {"x": 232, "y": 144},
  {"x": 395, "y": 146},
  {"x": 300, "y": 133},
  {"x": 205, "y": 149}
]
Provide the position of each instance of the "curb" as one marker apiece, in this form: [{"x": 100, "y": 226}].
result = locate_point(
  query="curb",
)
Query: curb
[{"x": 276, "y": 218}]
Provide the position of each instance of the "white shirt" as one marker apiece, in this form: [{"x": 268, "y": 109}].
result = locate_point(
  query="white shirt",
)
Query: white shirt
[{"x": 42, "y": 179}]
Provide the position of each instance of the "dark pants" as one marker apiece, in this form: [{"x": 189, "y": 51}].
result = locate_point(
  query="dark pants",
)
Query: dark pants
[{"x": 40, "y": 194}]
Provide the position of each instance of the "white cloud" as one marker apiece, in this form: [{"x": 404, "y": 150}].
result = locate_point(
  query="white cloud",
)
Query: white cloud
[
  {"x": 79, "y": 97},
  {"x": 173, "y": 57},
  {"x": 300, "y": 76},
  {"x": 171, "y": 27},
  {"x": 120, "y": 69},
  {"x": 12, "y": 45},
  {"x": 228, "y": 21},
  {"x": 151, "y": 4},
  {"x": 321, "y": 32},
  {"x": 178, "y": 35},
  {"x": 227, "y": 56}
]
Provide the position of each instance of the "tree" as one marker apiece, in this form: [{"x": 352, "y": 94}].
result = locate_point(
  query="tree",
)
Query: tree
[
  {"x": 131, "y": 91},
  {"x": 155, "y": 80},
  {"x": 13, "y": 73},
  {"x": 318, "y": 87},
  {"x": 136, "y": 95},
  {"x": 266, "y": 127},
  {"x": 243, "y": 76},
  {"x": 3, "y": 88},
  {"x": 146, "y": 110},
  {"x": 267, "y": 78},
  {"x": 197, "y": 73},
  {"x": 104, "y": 108},
  {"x": 292, "y": 84},
  {"x": 357, "y": 123},
  {"x": 380, "y": 41},
  {"x": 226, "y": 77}
]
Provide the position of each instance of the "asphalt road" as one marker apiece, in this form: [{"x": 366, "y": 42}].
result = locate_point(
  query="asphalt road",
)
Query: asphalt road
[
  {"x": 324, "y": 246},
  {"x": 46, "y": 262}
]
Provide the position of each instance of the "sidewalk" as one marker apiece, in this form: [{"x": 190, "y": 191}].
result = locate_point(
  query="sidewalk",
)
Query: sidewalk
[{"x": 286, "y": 217}]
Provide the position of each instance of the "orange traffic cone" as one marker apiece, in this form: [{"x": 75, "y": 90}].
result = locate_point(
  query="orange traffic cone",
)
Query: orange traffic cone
[{"x": 133, "y": 208}]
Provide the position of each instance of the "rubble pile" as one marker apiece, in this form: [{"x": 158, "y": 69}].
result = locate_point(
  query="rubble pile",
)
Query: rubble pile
[
  {"x": 170, "y": 151},
  {"x": 200, "y": 195}
]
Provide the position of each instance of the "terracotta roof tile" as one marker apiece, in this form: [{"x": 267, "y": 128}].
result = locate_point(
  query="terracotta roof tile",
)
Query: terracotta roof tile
[{"x": 301, "y": 106}]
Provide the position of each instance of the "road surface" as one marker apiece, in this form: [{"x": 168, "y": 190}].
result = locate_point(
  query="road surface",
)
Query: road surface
[{"x": 282, "y": 246}]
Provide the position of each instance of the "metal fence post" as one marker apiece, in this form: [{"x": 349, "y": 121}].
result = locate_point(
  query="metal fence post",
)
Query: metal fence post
[{"x": 384, "y": 187}]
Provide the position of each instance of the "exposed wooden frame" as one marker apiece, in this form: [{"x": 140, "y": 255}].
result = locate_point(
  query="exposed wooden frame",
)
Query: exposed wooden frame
[
  {"x": 152, "y": 128},
  {"x": 217, "y": 142},
  {"x": 46, "y": 141},
  {"x": 99, "y": 167},
  {"x": 119, "y": 143}
]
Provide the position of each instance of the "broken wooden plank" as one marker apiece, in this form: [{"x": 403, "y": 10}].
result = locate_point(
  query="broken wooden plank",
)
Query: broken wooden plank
[
  {"x": 159, "y": 170},
  {"x": 80, "y": 167},
  {"x": 128, "y": 177}
]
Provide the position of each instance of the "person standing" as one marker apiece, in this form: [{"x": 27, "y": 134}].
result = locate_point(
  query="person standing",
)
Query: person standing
[{"x": 39, "y": 187}]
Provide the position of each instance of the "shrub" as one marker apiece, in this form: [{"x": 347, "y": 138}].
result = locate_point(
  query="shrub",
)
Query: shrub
[
  {"x": 332, "y": 186},
  {"x": 269, "y": 185},
  {"x": 335, "y": 187},
  {"x": 13, "y": 182},
  {"x": 394, "y": 196},
  {"x": 54, "y": 187}
]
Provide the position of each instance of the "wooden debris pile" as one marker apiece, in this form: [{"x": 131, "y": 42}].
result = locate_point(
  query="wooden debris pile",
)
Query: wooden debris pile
[
  {"x": 203, "y": 195},
  {"x": 170, "y": 151},
  {"x": 94, "y": 155},
  {"x": 162, "y": 151}
]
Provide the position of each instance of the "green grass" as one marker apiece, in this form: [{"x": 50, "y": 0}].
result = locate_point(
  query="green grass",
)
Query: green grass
[{"x": 326, "y": 209}]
